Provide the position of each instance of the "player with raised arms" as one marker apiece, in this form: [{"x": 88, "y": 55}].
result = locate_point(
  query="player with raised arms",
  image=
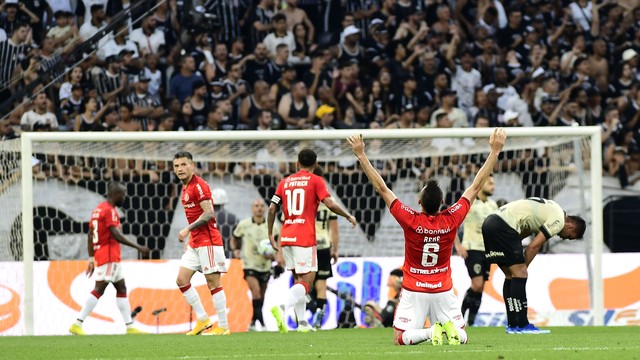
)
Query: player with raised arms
[
  {"x": 299, "y": 195},
  {"x": 427, "y": 288},
  {"x": 204, "y": 251},
  {"x": 104, "y": 239}
]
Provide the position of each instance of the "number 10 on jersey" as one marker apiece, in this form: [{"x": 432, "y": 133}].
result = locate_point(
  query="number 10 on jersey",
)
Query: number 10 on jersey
[{"x": 295, "y": 201}]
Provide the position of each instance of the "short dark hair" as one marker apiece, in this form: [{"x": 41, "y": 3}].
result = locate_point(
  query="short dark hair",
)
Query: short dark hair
[
  {"x": 492, "y": 11},
  {"x": 431, "y": 196},
  {"x": 19, "y": 25},
  {"x": 441, "y": 115},
  {"x": 115, "y": 187},
  {"x": 166, "y": 116},
  {"x": 581, "y": 225},
  {"x": 183, "y": 154},
  {"x": 127, "y": 105},
  {"x": 609, "y": 109},
  {"x": 578, "y": 62},
  {"x": 307, "y": 157},
  {"x": 96, "y": 8},
  {"x": 278, "y": 17}
]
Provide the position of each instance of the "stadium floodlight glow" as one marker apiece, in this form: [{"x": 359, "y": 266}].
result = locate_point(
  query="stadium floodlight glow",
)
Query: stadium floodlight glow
[{"x": 572, "y": 153}]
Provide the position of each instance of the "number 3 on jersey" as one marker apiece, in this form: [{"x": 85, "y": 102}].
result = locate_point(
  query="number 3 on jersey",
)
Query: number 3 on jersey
[
  {"x": 94, "y": 225},
  {"x": 430, "y": 254},
  {"x": 295, "y": 201}
]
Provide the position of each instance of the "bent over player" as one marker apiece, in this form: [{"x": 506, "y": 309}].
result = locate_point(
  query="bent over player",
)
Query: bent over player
[
  {"x": 427, "y": 288},
  {"x": 299, "y": 194},
  {"x": 503, "y": 232},
  {"x": 204, "y": 252},
  {"x": 104, "y": 241}
]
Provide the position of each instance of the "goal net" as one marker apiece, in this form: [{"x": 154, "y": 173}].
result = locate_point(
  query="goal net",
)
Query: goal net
[{"x": 70, "y": 173}]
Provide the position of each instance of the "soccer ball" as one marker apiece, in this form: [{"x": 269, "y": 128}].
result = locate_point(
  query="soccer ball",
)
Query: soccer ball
[{"x": 265, "y": 249}]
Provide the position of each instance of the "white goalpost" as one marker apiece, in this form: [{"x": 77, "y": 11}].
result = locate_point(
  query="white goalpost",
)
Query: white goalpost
[{"x": 573, "y": 166}]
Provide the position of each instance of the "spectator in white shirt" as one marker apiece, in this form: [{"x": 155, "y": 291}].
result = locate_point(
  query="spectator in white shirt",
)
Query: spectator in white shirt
[
  {"x": 97, "y": 23},
  {"x": 280, "y": 35},
  {"x": 117, "y": 44},
  {"x": 150, "y": 40},
  {"x": 39, "y": 117}
]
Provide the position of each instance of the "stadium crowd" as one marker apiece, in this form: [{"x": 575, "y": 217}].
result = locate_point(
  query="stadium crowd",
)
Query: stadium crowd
[{"x": 324, "y": 64}]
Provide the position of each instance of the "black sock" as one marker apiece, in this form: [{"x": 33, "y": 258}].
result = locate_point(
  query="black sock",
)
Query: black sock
[
  {"x": 519, "y": 295},
  {"x": 508, "y": 303},
  {"x": 475, "y": 298},
  {"x": 466, "y": 302},
  {"x": 321, "y": 303},
  {"x": 257, "y": 310}
]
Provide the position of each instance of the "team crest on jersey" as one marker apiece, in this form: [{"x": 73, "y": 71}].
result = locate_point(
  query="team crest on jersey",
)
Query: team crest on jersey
[{"x": 186, "y": 197}]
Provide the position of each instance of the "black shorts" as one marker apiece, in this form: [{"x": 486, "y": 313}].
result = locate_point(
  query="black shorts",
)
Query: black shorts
[
  {"x": 263, "y": 277},
  {"x": 477, "y": 264},
  {"x": 324, "y": 264},
  {"x": 502, "y": 244}
]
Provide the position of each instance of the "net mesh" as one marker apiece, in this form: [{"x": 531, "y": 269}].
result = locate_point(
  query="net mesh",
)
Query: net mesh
[
  {"x": 10, "y": 199},
  {"x": 70, "y": 179}
]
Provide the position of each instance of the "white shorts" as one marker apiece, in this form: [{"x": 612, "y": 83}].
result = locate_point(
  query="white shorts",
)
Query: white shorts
[
  {"x": 208, "y": 259},
  {"x": 414, "y": 308},
  {"x": 301, "y": 259},
  {"x": 109, "y": 272}
]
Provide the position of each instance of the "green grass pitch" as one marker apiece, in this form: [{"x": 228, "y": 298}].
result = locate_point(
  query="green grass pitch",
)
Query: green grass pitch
[{"x": 486, "y": 343}]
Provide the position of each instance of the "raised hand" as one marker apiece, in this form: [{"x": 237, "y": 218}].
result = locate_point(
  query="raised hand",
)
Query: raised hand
[
  {"x": 357, "y": 144},
  {"x": 497, "y": 139}
]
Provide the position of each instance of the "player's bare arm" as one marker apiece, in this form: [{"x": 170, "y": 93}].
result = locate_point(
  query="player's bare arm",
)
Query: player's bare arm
[
  {"x": 207, "y": 215},
  {"x": 496, "y": 142},
  {"x": 236, "y": 245},
  {"x": 534, "y": 247},
  {"x": 119, "y": 237},
  {"x": 459, "y": 248},
  {"x": 271, "y": 218},
  {"x": 333, "y": 206},
  {"x": 92, "y": 263},
  {"x": 335, "y": 239},
  {"x": 357, "y": 146}
]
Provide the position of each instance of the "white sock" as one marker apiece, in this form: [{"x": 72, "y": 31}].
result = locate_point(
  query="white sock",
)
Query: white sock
[
  {"x": 194, "y": 300},
  {"x": 88, "y": 307},
  {"x": 220, "y": 303},
  {"x": 295, "y": 294},
  {"x": 125, "y": 310},
  {"x": 462, "y": 333},
  {"x": 300, "y": 308},
  {"x": 416, "y": 336}
]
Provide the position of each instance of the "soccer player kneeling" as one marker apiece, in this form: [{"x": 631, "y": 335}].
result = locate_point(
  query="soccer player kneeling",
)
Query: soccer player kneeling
[{"x": 427, "y": 288}]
